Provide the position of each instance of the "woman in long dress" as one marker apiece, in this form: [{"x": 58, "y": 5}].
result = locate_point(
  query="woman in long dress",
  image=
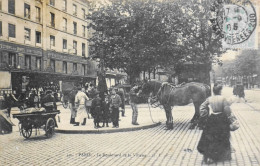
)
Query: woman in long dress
[{"x": 214, "y": 143}]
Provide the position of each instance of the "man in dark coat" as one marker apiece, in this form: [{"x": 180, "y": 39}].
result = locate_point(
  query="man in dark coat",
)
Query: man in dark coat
[{"x": 96, "y": 110}]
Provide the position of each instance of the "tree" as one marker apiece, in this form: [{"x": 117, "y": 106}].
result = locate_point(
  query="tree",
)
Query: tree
[
  {"x": 139, "y": 35},
  {"x": 246, "y": 63}
]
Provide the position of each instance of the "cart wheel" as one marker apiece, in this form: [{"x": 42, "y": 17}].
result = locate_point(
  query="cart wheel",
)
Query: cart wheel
[
  {"x": 49, "y": 129},
  {"x": 26, "y": 131}
]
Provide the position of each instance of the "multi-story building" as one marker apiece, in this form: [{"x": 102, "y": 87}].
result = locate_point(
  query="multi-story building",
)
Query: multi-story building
[{"x": 45, "y": 41}]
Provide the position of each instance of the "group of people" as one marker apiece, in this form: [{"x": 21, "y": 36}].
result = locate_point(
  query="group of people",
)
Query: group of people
[
  {"x": 104, "y": 107},
  {"x": 46, "y": 100}
]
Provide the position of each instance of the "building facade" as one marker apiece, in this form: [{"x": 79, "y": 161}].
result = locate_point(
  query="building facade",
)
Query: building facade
[{"x": 45, "y": 41}]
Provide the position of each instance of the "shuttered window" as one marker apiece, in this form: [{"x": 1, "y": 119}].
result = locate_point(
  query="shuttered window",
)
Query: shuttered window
[
  {"x": 11, "y": 6},
  {"x": 11, "y": 30}
]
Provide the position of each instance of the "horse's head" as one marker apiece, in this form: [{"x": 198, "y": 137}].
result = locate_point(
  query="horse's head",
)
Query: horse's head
[
  {"x": 146, "y": 88},
  {"x": 150, "y": 86}
]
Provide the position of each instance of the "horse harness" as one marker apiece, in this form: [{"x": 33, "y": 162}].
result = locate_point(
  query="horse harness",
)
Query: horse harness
[{"x": 155, "y": 98}]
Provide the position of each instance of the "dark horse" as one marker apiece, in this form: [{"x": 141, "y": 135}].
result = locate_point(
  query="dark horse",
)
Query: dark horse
[{"x": 169, "y": 95}]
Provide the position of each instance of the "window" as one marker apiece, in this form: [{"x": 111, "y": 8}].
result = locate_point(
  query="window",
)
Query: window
[
  {"x": 0, "y": 4},
  {"x": 52, "y": 2},
  {"x": 75, "y": 47},
  {"x": 83, "y": 69},
  {"x": 75, "y": 67},
  {"x": 65, "y": 24},
  {"x": 52, "y": 41},
  {"x": 38, "y": 37},
  {"x": 83, "y": 30},
  {"x": 64, "y": 5},
  {"x": 27, "y": 62},
  {"x": 1, "y": 32},
  {"x": 27, "y": 11},
  {"x": 83, "y": 13},
  {"x": 83, "y": 49},
  {"x": 64, "y": 67},
  {"x": 11, "y": 6},
  {"x": 12, "y": 59},
  {"x": 38, "y": 63},
  {"x": 38, "y": 14},
  {"x": 11, "y": 30},
  {"x": 75, "y": 28},
  {"x": 52, "y": 64},
  {"x": 52, "y": 19},
  {"x": 64, "y": 43},
  {"x": 27, "y": 34},
  {"x": 74, "y": 8}
]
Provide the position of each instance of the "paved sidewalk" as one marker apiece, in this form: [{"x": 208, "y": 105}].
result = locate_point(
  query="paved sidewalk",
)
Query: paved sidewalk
[
  {"x": 125, "y": 124},
  {"x": 146, "y": 119}
]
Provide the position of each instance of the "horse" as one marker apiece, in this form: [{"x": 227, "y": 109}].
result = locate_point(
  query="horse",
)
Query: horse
[{"x": 169, "y": 96}]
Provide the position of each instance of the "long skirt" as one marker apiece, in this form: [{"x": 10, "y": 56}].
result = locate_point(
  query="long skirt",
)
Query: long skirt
[{"x": 214, "y": 142}]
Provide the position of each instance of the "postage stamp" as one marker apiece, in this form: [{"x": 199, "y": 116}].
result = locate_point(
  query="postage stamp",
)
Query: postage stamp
[{"x": 237, "y": 21}]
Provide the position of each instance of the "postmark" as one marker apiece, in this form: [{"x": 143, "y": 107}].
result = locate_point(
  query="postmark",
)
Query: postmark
[{"x": 237, "y": 21}]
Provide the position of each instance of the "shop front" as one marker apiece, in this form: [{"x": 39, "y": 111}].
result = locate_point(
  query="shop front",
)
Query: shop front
[{"x": 32, "y": 68}]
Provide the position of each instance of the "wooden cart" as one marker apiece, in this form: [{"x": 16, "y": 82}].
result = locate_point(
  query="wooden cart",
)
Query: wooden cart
[{"x": 37, "y": 120}]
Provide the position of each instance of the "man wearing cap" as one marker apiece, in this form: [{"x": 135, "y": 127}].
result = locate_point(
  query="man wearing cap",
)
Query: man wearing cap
[
  {"x": 114, "y": 106},
  {"x": 80, "y": 101},
  {"x": 134, "y": 93}
]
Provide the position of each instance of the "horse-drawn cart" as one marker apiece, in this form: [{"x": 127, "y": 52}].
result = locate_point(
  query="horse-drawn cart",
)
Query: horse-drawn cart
[{"x": 37, "y": 120}]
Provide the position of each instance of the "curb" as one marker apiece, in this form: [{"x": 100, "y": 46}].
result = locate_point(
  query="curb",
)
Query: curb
[{"x": 106, "y": 131}]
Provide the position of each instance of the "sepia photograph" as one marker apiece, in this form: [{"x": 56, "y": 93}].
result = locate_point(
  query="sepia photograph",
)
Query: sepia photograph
[{"x": 130, "y": 82}]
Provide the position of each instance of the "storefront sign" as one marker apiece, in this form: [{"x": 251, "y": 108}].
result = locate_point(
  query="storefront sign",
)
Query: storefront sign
[
  {"x": 20, "y": 49},
  {"x": 72, "y": 58}
]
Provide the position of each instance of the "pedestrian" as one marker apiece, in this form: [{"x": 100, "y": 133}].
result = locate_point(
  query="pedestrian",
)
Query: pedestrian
[
  {"x": 96, "y": 110},
  {"x": 49, "y": 102},
  {"x": 106, "y": 110},
  {"x": 134, "y": 94},
  {"x": 114, "y": 106},
  {"x": 121, "y": 93},
  {"x": 80, "y": 101},
  {"x": 214, "y": 143},
  {"x": 73, "y": 110}
]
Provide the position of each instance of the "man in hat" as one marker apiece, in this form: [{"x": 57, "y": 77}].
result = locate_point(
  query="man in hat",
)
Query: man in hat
[
  {"x": 49, "y": 102},
  {"x": 96, "y": 109},
  {"x": 134, "y": 93},
  {"x": 80, "y": 101},
  {"x": 114, "y": 106}
]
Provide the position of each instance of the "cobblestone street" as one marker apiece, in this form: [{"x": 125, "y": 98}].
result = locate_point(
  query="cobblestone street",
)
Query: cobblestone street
[{"x": 154, "y": 146}]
